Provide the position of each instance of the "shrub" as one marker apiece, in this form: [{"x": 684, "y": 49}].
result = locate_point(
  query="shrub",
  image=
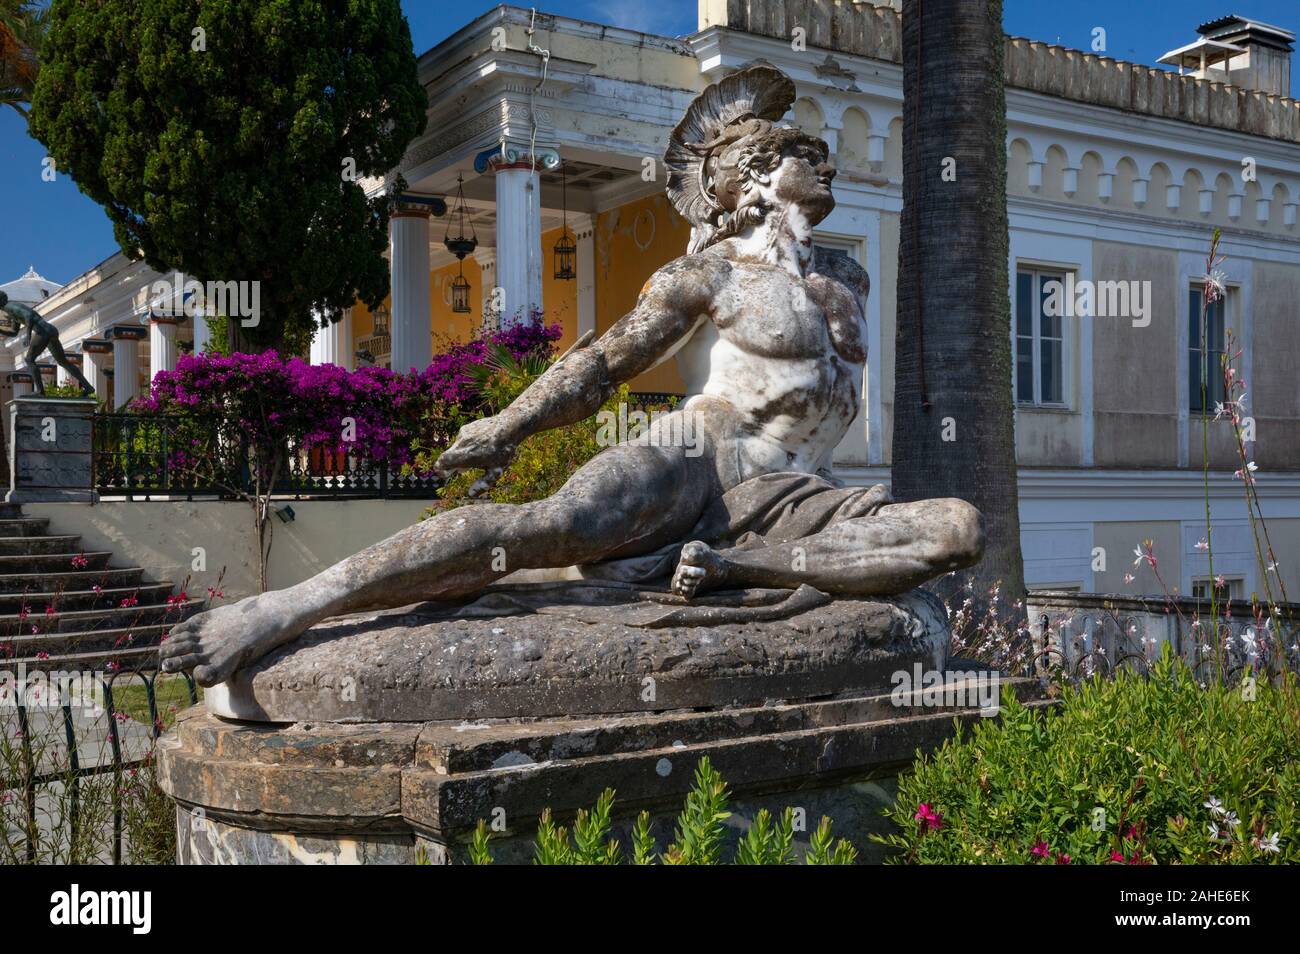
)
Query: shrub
[
  {"x": 697, "y": 840},
  {"x": 1129, "y": 770}
]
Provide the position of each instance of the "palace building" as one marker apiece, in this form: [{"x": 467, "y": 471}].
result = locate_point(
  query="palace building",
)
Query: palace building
[{"x": 545, "y": 142}]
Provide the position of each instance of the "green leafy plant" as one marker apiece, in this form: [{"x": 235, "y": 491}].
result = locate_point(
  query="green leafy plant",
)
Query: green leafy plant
[
  {"x": 697, "y": 839},
  {"x": 1127, "y": 770}
]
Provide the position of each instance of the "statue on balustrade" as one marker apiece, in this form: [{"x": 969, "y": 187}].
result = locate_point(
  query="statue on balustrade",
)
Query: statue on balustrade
[
  {"x": 38, "y": 335},
  {"x": 770, "y": 338}
]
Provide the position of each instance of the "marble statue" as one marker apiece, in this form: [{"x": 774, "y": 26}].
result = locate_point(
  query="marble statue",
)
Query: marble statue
[
  {"x": 770, "y": 339},
  {"x": 37, "y": 336}
]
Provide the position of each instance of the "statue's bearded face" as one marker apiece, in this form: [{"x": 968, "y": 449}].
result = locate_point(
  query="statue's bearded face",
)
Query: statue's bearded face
[{"x": 781, "y": 168}]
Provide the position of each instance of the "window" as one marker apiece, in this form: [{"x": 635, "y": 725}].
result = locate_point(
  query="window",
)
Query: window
[
  {"x": 1040, "y": 338},
  {"x": 1233, "y": 588},
  {"x": 1205, "y": 351}
]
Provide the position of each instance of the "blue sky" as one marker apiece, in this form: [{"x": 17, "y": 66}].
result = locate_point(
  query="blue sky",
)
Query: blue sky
[{"x": 62, "y": 233}]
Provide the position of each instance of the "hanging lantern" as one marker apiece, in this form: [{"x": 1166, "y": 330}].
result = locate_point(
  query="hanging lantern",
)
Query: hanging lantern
[
  {"x": 566, "y": 251},
  {"x": 460, "y": 293},
  {"x": 460, "y": 244},
  {"x": 566, "y": 258}
]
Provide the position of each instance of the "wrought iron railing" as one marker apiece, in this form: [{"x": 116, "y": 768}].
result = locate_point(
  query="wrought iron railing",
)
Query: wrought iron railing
[
  {"x": 145, "y": 457},
  {"x": 151, "y": 456},
  {"x": 68, "y": 761}
]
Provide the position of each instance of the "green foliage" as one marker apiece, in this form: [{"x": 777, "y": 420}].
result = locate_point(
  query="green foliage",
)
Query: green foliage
[
  {"x": 22, "y": 33},
  {"x": 227, "y": 139},
  {"x": 1129, "y": 770},
  {"x": 697, "y": 841},
  {"x": 541, "y": 466}
]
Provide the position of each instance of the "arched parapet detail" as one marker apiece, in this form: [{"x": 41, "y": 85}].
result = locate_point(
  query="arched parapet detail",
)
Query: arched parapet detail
[
  {"x": 855, "y": 137},
  {"x": 811, "y": 118},
  {"x": 1023, "y": 173}
]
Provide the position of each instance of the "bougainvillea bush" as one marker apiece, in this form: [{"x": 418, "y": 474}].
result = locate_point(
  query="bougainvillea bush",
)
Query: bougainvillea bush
[
  {"x": 239, "y": 422},
  {"x": 1130, "y": 770}
]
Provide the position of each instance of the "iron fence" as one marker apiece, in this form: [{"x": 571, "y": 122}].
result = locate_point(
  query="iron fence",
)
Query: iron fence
[
  {"x": 143, "y": 457},
  {"x": 51, "y": 742}
]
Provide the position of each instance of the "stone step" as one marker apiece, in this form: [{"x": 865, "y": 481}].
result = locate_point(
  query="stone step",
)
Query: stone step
[
  {"x": 63, "y": 645},
  {"x": 10, "y": 511},
  {"x": 48, "y": 563},
  {"x": 33, "y": 544},
  {"x": 23, "y": 527},
  {"x": 14, "y": 624},
  {"x": 125, "y": 660},
  {"x": 83, "y": 597},
  {"x": 19, "y": 583}
]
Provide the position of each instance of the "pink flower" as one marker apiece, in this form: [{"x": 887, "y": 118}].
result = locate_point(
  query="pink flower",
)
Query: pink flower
[
  {"x": 1062, "y": 858},
  {"x": 1040, "y": 849},
  {"x": 928, "y": 817},
  {"x": 80, "y": 562}
]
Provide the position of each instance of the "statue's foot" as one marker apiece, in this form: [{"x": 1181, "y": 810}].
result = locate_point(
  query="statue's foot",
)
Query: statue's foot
[
  {"x": 700, "y": 568},
  {"x": 216, "y": 643}
]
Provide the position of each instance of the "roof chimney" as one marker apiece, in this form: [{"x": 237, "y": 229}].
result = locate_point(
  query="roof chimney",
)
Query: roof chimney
[{"x": 1240, "y": 52}]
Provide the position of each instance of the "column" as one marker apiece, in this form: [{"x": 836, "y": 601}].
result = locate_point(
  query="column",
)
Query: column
[
  {"x": 519, "y": 224},
  {"x": 333, "y": 343},
  {"x": 412, "y": 310},
  {"x": 126, "y": 363},
  {"x": 94, "y": 360},
  {"x": 162, "y": 344},
  {"x": 585, "y": 233},
  {"x": 22, "y": 382},
  {"x": 487, "y": 264},
  {"x": 201, "y": 333}
]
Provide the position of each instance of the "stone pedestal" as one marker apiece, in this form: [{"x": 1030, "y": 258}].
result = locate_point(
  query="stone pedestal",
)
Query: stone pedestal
[
  {"x": 378, "y": 737},
  {"x": 50, "y": 450}
]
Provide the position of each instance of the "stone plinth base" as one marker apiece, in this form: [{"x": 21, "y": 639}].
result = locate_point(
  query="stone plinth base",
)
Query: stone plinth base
[
  {"x": 590, "y": 649},
  {"x": 320, "y": 792},
  {"x": 50, "y": 443}
]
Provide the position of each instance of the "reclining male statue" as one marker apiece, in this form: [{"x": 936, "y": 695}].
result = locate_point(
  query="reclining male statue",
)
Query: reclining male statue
[{"x": 769, "y": 338}]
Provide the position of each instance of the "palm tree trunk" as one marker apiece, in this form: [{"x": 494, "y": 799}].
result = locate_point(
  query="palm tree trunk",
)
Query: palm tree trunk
[{"x": 954, "y": 433}]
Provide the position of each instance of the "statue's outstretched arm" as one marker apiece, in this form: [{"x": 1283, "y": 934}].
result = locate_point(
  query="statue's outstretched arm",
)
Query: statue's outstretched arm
[{"x": 672, "y": 304}]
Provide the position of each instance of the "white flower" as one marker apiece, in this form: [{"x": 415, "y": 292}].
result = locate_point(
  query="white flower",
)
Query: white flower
[
  {"x": 1268, "y": 845},
  {"x": 1214, "y": 805},
  {"x": 1203, "y": 544},
  {"x": 1129, "y": 577},
  {"x": 1214, "y": 285},
  {"x": 1140, "y": 555},
  {"x": 1231, "y": 820}
]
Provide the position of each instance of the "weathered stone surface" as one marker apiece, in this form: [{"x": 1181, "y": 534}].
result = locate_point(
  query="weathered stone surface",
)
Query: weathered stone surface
[
  {"x": 329, "y": 793},
  {"x": 50, "y": 450},
  {"x": 414, "y": 666}
]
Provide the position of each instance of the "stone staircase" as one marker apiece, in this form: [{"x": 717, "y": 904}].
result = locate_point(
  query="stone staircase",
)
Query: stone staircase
[{"x": 63, "y": 608}]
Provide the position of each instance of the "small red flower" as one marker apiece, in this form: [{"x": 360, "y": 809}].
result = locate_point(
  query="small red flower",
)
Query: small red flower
[{"x": 1040, "y": 849}]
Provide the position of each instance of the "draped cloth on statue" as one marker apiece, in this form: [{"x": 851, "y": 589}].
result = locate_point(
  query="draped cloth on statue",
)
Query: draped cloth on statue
[{"x": 763, "y": 511}]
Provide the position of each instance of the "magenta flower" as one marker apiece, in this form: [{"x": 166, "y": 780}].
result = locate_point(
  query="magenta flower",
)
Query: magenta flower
[
  {"x": 928, "y": 817},
  {"x": 1040, "y": 849}
]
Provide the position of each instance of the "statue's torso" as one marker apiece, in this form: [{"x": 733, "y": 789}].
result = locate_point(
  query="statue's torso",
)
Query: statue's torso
[{"x": 788, "y": 354}]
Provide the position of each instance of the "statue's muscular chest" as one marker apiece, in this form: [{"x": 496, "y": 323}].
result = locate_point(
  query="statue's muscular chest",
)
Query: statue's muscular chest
[{"x": 769, "y": 312}]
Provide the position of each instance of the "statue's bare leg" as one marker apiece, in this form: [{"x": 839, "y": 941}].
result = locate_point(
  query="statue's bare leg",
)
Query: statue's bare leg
[
  {"x": 614, "y": 506},
  {"x": 892, "y": 551},
  {"x": 61, "y": 359},
  {"x": 29, "y": 360}
]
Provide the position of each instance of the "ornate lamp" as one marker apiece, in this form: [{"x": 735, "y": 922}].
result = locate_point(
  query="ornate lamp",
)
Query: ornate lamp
[
  {"x": 460, "y": 245},
  {"x": 566, "y": 251},
  {"x": 380, "y": 316}
]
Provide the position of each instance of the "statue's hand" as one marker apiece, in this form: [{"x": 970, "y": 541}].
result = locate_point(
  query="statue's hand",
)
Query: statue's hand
[{"x": 485, "y": 444}]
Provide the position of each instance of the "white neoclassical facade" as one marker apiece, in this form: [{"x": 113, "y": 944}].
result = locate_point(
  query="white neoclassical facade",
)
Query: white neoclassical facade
[{"x": 553, "y": 128}]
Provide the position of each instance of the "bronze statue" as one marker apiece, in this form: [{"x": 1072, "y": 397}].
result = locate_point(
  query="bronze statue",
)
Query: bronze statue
[{"x": 38, "y": 335}]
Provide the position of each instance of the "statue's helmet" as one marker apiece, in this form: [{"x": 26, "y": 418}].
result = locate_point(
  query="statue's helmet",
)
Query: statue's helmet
[{"x": 726, "y": 138}]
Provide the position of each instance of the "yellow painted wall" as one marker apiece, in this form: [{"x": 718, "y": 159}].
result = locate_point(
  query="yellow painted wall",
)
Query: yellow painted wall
[
  {"x": 559, "y": 297},
  {"x": 632, "y": 242}
]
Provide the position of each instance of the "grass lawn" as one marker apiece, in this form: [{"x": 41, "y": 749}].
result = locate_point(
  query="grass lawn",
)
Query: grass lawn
[{"x": 172, "y": 695}]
